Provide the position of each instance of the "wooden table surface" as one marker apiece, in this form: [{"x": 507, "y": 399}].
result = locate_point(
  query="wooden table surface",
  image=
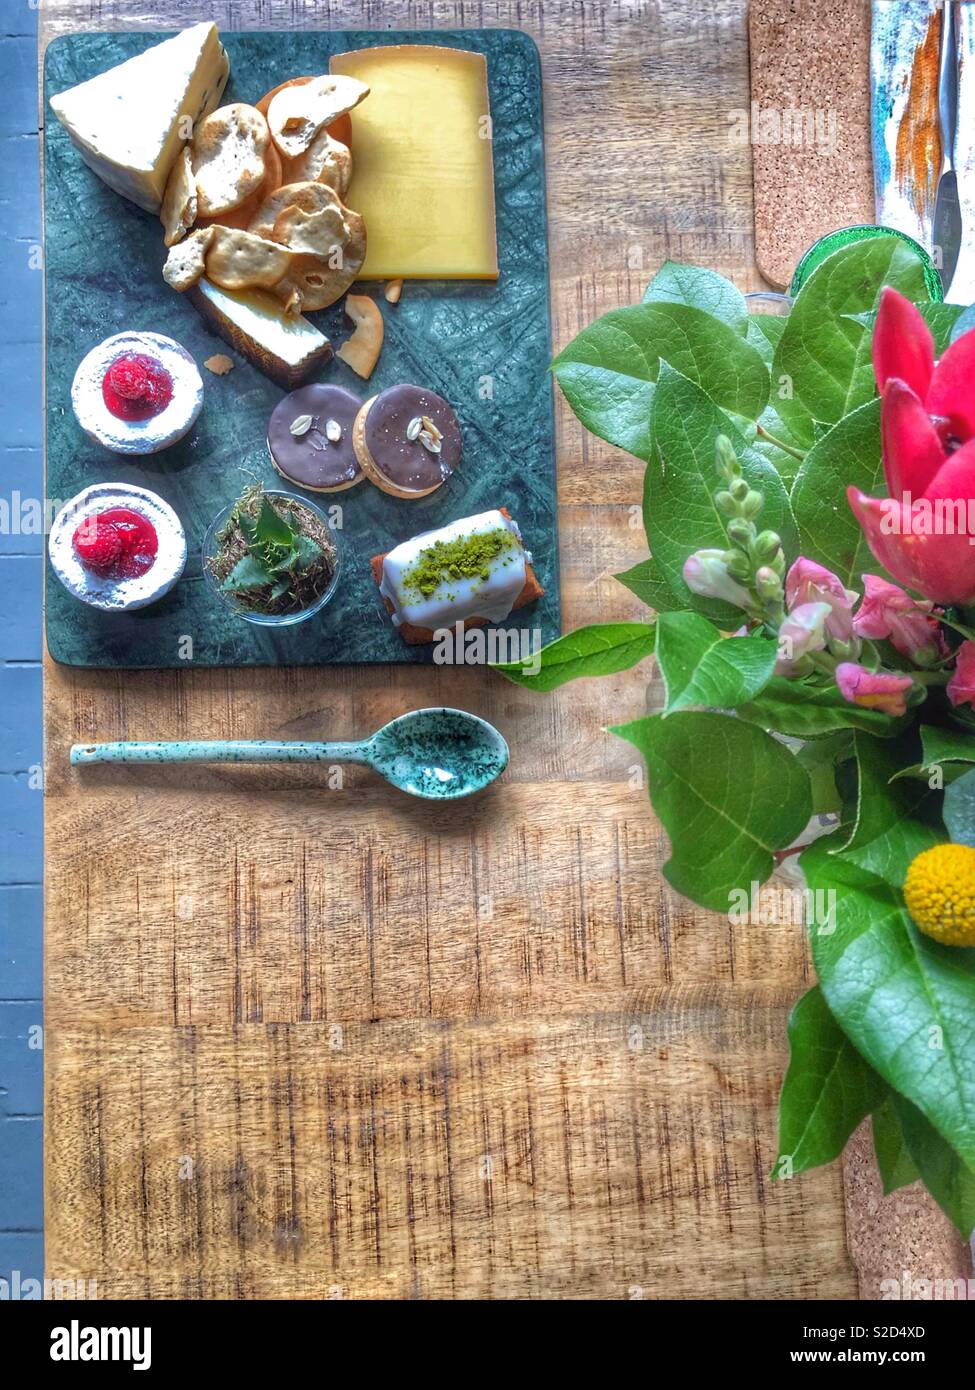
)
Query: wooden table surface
[{"x": 309, "y": 1042}]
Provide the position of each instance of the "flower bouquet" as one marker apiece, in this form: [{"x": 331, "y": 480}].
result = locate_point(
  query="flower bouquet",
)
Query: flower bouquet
[{"x": 809, "y": 505}]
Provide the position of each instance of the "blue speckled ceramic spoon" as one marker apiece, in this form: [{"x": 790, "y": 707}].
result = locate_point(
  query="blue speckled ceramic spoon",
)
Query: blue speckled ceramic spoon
[{"x": 440, "y": 754}]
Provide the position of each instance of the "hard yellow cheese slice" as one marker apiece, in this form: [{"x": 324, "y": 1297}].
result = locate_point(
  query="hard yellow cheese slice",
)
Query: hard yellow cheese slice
[{"x": 423, "y": 172}]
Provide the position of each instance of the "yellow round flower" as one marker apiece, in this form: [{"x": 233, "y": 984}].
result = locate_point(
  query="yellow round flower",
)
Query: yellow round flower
[{"x": 940, "y": 894}]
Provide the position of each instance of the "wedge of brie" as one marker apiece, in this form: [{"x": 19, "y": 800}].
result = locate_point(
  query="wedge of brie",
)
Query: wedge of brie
[
  {"x": 287, "y": 347},
  {"x": 131, "y": 122}
]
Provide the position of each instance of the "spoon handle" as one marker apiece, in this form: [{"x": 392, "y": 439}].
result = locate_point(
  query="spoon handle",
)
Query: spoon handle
[{"x": 219, "y": 751}]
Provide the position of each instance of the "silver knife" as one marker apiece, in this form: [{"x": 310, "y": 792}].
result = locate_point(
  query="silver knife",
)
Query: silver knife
[{"x": 947, "y": 226}]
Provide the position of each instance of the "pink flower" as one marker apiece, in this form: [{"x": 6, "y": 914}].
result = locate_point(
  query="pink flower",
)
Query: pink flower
[
  {"x": 928, "y": 434},
  {"x": 705, "y": 573},
  {"x": 961, "y": 687},
  {"x": 881, "y": 690},
  {"x": 886, "y": 611},
  {"x": 802, "y": 631},
  {"x": 808, "y": 582}
]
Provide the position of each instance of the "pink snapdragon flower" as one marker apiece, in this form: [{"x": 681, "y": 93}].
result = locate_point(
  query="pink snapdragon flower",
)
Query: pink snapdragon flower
[
  {"x": 881, "y": 690},
  {"x": 808, "y": 582},
  {"x": 961, "y": 687},
  {"x": 801, "y": 631},
  {"x": 887, "y": 611}
]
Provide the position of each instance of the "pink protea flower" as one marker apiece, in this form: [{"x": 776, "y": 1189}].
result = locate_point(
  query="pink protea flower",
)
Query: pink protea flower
[
  {"x": 886, "y": 611},
  {"x": 803, "y": 630},
  {"x": 808, "y": 582},
  {"x": 880, "y": 690},
  {"x": 961, "y": 687},
  {"x": 928, "y": 432}
]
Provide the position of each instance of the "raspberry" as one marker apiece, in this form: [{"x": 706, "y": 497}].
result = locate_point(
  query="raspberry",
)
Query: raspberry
[
  {"x": 136, "y": 387},
  {"x": 129, "y": 378},
  {"x": 97, "y": 543}
]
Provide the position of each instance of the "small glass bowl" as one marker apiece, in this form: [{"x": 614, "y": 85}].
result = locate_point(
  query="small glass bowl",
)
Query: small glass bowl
[{"x": 270, "y": 619}]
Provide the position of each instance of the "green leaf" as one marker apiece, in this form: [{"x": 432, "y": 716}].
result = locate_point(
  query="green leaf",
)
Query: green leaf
[
  {"x": 823, "y": 354},
  {"x": 700, "y": 667},
  {"x": 906, "y": 1002},
  {"x": 828, "y": 1089},
  {"x": 805, "y": 711},
  {"x": 829, "y": 532},
  {"x": 701, "y": 289},
  {"x": 950, "y": 1181},
  {"x": 678, "y": 503},
  {"x": 600, "y": 650},
  {"x": 608, "y": 371},
  {"x": 272, "y": 529},
  {"x": 959, "y": 809},
  {"x": 894, "y": 820},
  {"x": 764, "y": 332},
  {"x": 964, "y": 323},
  {"x": 940, "y": 318},
  {"x": 785, "y": 463},
  {"x": 940, "y": 746},
  {"x": 728, "y": 796},
  {"x": 308, "y": 551},
  {"x": 248, "y": 573},
  {"x": 897, "y": 1168},
  {"x": 646, "y": 581}
]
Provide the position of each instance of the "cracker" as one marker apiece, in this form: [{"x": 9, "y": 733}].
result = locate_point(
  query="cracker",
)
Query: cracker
[
  {"x": 321, "y": 279},
  {"x": 186, "y": 262},
  {"x": 229, "y": 147},
  {"x": 298, "y": 112},
  {"x": 179, "y": 205},
  {"x": 310, "y": 197},
  {"x": 325, "y": 161},
  {"x": 239, "y": 260}
]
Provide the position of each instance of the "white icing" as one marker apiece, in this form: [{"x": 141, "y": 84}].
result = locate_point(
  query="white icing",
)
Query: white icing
[
  {"x": 137, "y": 436},
  {"x": 101, "y": 591},
  {"x": 455, "y": 600}
]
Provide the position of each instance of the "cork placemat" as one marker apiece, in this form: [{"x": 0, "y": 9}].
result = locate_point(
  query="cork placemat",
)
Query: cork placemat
[{"x": 809, "y": 125}]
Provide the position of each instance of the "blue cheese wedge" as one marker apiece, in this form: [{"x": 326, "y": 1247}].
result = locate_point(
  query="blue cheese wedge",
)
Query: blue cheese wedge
[
  {"x": 130, "y": 123},
  {"x": 438, "y": 579}
]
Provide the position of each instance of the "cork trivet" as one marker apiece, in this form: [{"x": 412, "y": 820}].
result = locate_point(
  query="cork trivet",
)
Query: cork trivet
[
  {"x": 900, "y": 1240},
  {"x": 810, "y": 57}
]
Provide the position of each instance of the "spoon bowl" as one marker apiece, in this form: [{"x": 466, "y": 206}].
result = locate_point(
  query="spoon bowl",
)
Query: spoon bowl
[{"x": 439, "y": 754}]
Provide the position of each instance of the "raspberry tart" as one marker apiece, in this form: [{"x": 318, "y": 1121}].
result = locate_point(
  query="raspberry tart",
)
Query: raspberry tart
[
  {"x": 117, "y": 547},
  {"x": 137, "y": 393}
]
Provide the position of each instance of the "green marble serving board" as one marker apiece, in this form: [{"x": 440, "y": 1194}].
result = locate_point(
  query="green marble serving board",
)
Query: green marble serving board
[{"x": 485, "y": 347}]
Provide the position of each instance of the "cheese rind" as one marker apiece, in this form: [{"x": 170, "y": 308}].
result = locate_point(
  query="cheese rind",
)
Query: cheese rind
[
  {"x": 127, "y": 123},
  {"x": 423, "y": 168},
  {"x": 286, "y": 347}
]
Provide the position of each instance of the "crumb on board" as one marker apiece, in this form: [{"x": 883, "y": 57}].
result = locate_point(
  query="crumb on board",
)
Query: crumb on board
[
  {"x": 219, "y": 364},
  {"x": 393, "y": 291}
]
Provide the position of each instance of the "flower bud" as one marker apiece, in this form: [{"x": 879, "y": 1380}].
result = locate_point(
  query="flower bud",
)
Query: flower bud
[
  {"x": 738, "y": 565},
  {"x": 726, "y": 503},
  {"x": 752, "y": 503},
  {"x": 767, "y": 546},
  {"x": 768, "y": 585},
  {"x": 706, "y": 573},
  {"x": 726, "y": 459},
  {"x": 740, "y": 531},
  {"x": 739, "y": 489}
]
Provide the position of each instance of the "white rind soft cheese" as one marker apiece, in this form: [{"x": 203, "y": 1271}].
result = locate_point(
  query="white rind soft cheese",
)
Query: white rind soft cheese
[
  {"x": 118, "y": 595},
  {"x": 258, "y": 316},
  {"x": 456, "y": 600},
  {"x": 127, "y": 123},
  {"x": 137, "y": 436}
]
